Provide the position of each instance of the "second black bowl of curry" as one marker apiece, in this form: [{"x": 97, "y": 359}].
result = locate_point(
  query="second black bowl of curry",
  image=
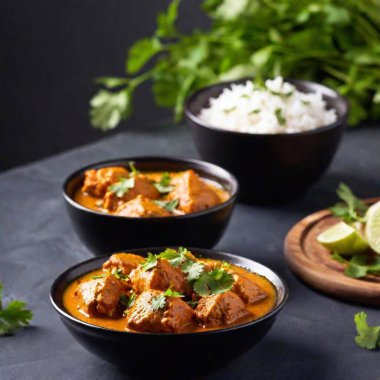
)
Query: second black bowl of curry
[{"x": 102, "y": 232}]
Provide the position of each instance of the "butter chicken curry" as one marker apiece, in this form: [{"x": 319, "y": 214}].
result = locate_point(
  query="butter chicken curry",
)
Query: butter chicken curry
[
  {"x": 130, "y": 193},
  {"x": 169, "y": 292}
]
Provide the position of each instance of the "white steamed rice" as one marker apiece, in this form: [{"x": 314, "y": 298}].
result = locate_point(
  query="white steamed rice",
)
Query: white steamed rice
[{"x": 277, "y": 108}]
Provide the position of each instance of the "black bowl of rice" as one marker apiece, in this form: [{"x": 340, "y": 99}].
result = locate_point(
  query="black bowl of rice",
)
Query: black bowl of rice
[{"x": 277, "y": 138}]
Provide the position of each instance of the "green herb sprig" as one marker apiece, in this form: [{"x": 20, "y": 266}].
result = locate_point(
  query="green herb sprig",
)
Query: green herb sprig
[
  {"x": 174, "y": 258},
  {"x": 128, "y": 301},
  {"x": 368, "y": 337},
  {"x": 122, "y": 187},
  {"x": 334, "y": 42},
  {"x": 159, "y": 302},
  {"x": 359, "y": 265},
  {"x": 215, "y": 282},
  {"x": 280, "y": 116},
  {"x": 116, "y": 272},
  {"x": 169, "y": 206},
  {"x": 164, "y": 186},
  {"x": 352, "y": 209},
  {"x": 132, "y": 167},
  {"x": 14, "y": 316}
]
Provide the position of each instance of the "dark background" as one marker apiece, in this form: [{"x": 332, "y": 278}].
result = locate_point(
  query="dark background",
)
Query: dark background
[{"x": 50, "y": 52}]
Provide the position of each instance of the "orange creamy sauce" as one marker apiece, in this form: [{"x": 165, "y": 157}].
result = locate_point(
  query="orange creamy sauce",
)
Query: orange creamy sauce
[
  {"x": 92, "y": 202},
  {"x": 257, "y": 310}
]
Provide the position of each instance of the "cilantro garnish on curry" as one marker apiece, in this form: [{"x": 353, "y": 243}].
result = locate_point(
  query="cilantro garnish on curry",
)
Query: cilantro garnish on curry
[
  {"x": 169, "y": 292},
  {"x": 131, "y": 193}
]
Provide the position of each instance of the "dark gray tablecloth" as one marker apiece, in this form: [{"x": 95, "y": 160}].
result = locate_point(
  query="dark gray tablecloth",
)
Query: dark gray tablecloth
[{"x": 313, "y": 337}]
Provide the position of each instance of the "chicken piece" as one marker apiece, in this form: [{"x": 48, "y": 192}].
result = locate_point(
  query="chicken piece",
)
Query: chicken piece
[
  {"x": 101, "y": 297},
  {"x": 161, "y": 277},
  {"x": 125, "y": 262},
  {"x": 142, "y": 186},
  {"x": 247, "y": 290},
  {"x": 142, "y": 316},
  {"x": 220, "y": 309},
  {"x": 96, "y": 182},
  {"x": 193, "y": 194},
  {"x": 141, "y": 207}
]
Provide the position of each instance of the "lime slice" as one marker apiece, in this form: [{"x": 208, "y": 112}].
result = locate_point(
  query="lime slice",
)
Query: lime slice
[
  {"x": 343, "y": 238},
  {"x": 372, "y": 228}
]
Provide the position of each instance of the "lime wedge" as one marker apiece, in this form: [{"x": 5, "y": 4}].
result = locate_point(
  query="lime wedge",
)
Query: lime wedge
[
  {"x": 372, "y": 228},
  {"x": 343, "y": 238}
]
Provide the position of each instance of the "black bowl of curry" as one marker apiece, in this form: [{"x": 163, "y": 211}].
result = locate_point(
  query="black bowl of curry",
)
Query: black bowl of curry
[
  {"x": 196, "y": 309},
  {"x": 151, "y": 201}
]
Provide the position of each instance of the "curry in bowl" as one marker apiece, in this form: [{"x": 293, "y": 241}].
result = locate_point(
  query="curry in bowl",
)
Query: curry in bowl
[
  {"x": 128, "y": 192},
  {"x": 169, "y": 292}
]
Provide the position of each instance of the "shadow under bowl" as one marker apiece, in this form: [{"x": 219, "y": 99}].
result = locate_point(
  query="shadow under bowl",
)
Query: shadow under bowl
[
  {"x": 102, "y": 232},
  {"x": 270, "y": 168},
  {"x": 176, "y": 355}
]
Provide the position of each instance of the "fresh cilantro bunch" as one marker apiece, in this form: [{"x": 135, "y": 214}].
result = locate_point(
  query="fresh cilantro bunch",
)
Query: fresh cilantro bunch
[
  {"x": 352, "y": 209},
  {"x": 368, "y": 337},
  {"x": 335, "y": 42},
  {"x": 14, "y": 316}
]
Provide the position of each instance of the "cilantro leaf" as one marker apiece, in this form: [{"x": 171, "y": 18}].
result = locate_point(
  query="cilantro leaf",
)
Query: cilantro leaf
[
  {"x": 122, "y": 187},
  {"x": 133, "y": 169},
  {"x": 164, "y": 185},
  {"x": 192, "y": 304},
  {"x": 168, "y": 205},
  {"x": 280, "y": 116},
  {"x": 111, "y": 82},
  {"x": 14, "y": 316},
  {"x": 215, "y": 282},
  {"x": 108, "y": 108},
  {"x": 360, "y": 265},
  {"x": 353, "y": 209},
  {"x": 368, "y": 337},
  {"x": 158, "y": 302},
  {"x": 192, "y": 269},
  {"x": 141, "y": 52},
  {"x": 118, "y": 274},
  {"x": 149, "y": 263},
  {"x": 165, "y": 21},
  {"x": 171, "y": 255},
  {"x": 338, "y": 257},
  {"x": 355, "y": 271},
  {"x": 171, "y": 293},
  {"x": 128, "y": 301}
]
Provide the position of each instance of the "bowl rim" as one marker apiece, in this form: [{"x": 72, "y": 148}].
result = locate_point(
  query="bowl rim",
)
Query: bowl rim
[
  {"x": 204, "y": 251},
  {"x": 296, "y": 82},
  {"x": 186, "y": 161}
]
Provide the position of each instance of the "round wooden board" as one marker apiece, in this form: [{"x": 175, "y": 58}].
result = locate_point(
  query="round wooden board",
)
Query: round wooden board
[{"x": 312, "y": 262}]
